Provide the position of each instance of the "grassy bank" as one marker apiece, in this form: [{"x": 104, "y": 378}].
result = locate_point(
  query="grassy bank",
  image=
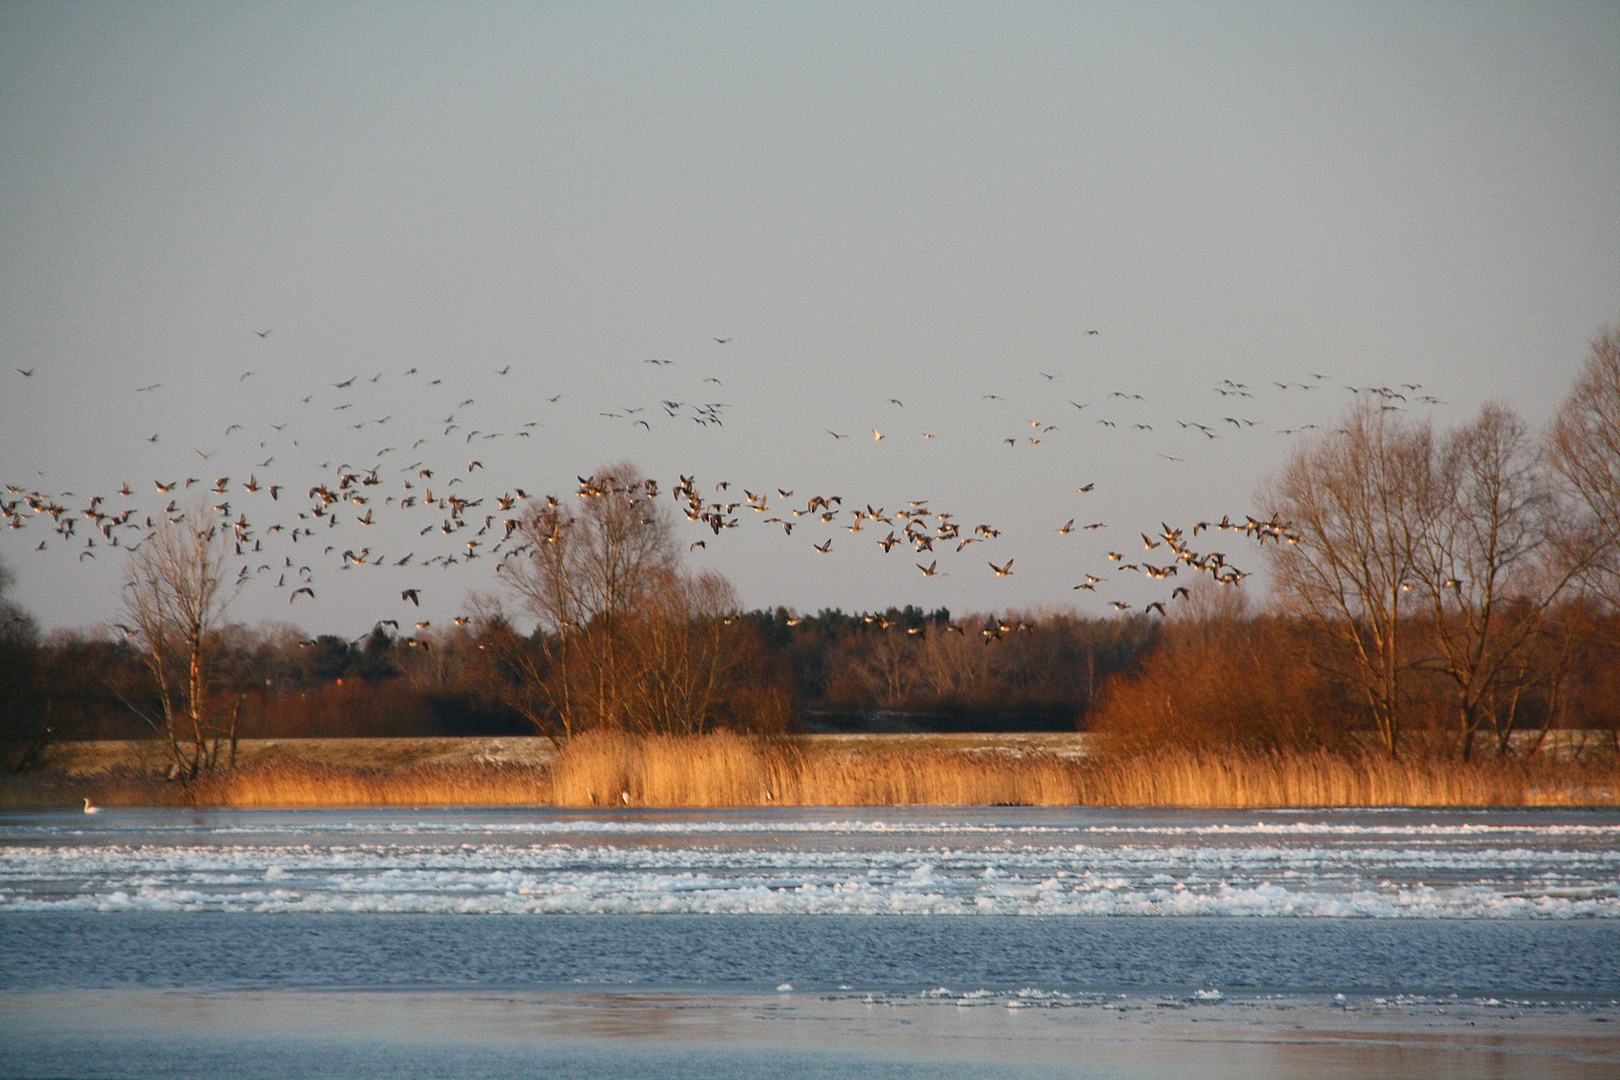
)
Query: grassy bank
[{"x": 604, "y": 770}]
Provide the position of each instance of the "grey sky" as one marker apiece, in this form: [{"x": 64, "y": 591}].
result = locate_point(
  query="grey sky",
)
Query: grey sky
[{"x": 929, "y": 203}]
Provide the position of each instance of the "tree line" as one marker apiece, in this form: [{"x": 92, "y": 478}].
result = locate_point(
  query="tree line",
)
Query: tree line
[
  {"x": 619, "y": 635},
  {"x": 1439, "y": 589},
  {"x": 1433, "y": 591}
]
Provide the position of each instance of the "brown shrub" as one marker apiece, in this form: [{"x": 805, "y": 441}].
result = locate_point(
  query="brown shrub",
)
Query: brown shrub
[{"x": 1232, "y": 685}]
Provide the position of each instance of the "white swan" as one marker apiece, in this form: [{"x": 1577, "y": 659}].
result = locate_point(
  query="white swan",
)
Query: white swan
[{"x": 89, "y": 809}]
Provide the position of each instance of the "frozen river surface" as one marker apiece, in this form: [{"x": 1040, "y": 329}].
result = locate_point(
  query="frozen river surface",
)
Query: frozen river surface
[{"x": 831, "y": 943}]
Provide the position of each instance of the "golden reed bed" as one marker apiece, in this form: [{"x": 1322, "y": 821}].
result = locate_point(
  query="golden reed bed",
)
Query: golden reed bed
[{"x": 728, "y": 771}]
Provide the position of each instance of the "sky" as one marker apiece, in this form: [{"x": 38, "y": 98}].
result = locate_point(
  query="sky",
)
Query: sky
[{"x": 979, "y": 223}]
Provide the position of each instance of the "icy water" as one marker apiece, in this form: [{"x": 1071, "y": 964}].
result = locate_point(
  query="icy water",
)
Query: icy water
[{"x": 1007, "y": 942}]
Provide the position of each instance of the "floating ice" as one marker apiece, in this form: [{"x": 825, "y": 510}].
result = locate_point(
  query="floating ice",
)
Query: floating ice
[{"x": 1304, "y": 865}]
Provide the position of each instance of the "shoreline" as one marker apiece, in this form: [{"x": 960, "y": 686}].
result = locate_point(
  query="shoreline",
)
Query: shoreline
[
  {"x": 604, "y": 770},
  {"x": 86, "y": 758}
]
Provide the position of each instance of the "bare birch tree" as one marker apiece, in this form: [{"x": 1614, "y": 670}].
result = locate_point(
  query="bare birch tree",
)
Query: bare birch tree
[
  {"x": 1357, "y": 498},
  {"x": 176, "y": 592}
]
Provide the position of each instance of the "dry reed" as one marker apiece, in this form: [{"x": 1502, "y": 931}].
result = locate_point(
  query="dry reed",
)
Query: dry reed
[
  {"x": 1319, "y": 780},
  {"x": 298, "y": 784},
  {"x": 605, "y": 769},
  {"x": 728, "y": 770},
  {"x": 608, "y": 769}
]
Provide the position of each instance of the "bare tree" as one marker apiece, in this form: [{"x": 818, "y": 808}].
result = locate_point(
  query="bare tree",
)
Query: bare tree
[
  {"x": 583, "y": 570},
  {"x": 1488, "y": 566},
  {"x": 440, "y": 660},
  {"x": 598, "y": 559},
  {"x": 626, "y": 639},
  {"x": 23, "y": 729},
  {"x": 1210, "y": 615},
  {"x": 517, "y": 671},
  {"x": 1584, "y": 449},
  {"x": 1357, "y": 498},
  {"x": 887, "y": 664},
  {"x": 176, "y": 592},
  {"x": 683, "y": 663},
  {"x": 952, "y": 666}
]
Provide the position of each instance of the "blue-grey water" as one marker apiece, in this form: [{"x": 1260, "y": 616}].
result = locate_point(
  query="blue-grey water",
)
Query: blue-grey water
[{"x": 809, "y": 943}]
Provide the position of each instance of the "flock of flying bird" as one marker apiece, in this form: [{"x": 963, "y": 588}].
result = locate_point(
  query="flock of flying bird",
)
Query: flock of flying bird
[{"x": 317, "y": 521}]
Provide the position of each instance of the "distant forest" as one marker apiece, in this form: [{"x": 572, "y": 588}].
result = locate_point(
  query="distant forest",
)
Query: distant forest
[{"x": 901, "y": 669}]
